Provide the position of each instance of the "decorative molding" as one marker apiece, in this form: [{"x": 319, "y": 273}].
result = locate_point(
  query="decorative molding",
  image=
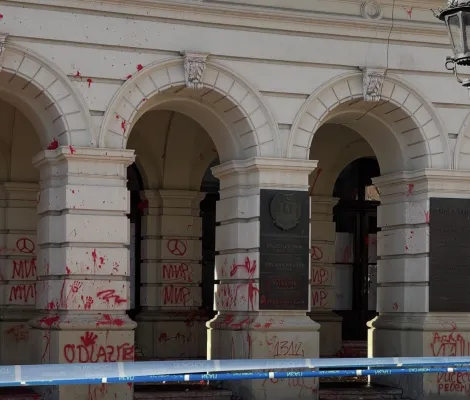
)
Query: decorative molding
[
  {"x": 373, "y": 80},
  {"x": 371, "y": 9},
  {"x": 194, "y": 67},
  {"x": 3, "y": 38}
]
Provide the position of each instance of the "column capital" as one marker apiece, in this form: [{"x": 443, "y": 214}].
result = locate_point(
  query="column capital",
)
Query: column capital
[
  {"x": 423, "y": 183},
  {"x": 70, "y": 153},
  {"x": 258, "y": 173}
]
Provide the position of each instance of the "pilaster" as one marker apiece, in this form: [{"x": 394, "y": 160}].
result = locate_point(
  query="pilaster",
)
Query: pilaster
[
  {"x": 83, "y": 264},
  {"x": 244, "y": 327},
  {"x": 405, "y": 326},
  {"x": 323, "y": 274},
  {"x": 18, "y": 221},
  {"x": 171, "y": 325}
]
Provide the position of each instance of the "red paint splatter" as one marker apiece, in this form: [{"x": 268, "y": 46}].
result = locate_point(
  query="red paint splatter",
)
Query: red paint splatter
[
  {"x": 90, "y": 81},
  {"x": 143, "y": 205},
  {"x": 144, "y": 100},
  {"x": 123, "y": 125},
  {"x": 53, "y": 145},
  {"x": 1, "y": 16},
  {"x": 140, "y": 67},
  {"x": 129, "y": 384},
  {"x": 395, "y": 306},
  {"x": 108, "y": 320},
  {"x": 94, "y": 256},
  {"x": 67, "y": 269},
  {"x": 49, "y": 321},
  {"x": 408, "y": 11},
  {"x": 72, "y": 150},
  {"x": 453, "y": 326},
  {"x": 77, "y": 74},
  {"x": 410, "y": 188},
  {"x": 129, "y": 76}
]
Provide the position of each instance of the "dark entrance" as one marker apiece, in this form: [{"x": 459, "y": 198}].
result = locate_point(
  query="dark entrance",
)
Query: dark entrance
[{"x": 356, "y": 243}]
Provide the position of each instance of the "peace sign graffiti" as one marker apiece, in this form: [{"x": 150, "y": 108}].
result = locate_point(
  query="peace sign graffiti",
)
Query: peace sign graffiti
[
  {"x": 317, "y": 253},
  {"x": 25, "y": 245},
  {"x": 176, "y": 247}
]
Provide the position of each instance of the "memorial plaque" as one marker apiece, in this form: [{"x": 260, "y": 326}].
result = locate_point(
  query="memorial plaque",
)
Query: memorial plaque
[
  {"x": 284, "y": 250},
  {"x": 449, "y": 255}
]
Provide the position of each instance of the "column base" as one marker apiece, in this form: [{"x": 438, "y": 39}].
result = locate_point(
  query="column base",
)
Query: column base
[
  {"x": 16, "y": 342},
  {"x": 171, "y": 334},
  {"x": 331, "y": 338},
  {"x": 423, "y": 335},
  {"x": 265, "y": 335}
]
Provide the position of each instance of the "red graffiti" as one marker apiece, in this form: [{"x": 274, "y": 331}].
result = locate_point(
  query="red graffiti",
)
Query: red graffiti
[
  {"x": 317, "y": 253},
  {"x": 88, "y": 351},
  {"x": 320, "y": 276},
  {"x": 24, "y": 269},
  {"x": 176, "y": 295},
  {"x": 89, "y": 81},
  {"x": 25, "y": 245},
  {"x": 23, "y": 293},
  {"x": 285, "y": 348},
  {"x": 49, "y": 321},
  {"x": 108, "y": 295},
  {"x": 87, "y": 302},
  {"x": 108, "y": 320},
  {"x": 53, "y": 145},
  {"x": 319, "y": 298},
  {"x": 451, "y": 345},
  {"x": 176, "y": 247},
  {"x": 177, "y": 272},
  {"x": 179, "y": 336},
  {"x": 453, "y": 382},
  {"x": 249, "y": 266},
  {"x": 47, "y": 348},
  {"x": 19, "y": 332}
]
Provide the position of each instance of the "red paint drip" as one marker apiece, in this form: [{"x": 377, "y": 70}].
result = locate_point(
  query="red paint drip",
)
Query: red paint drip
[
  {"x": 67, "y": 269},
  {"x": 49, "y": 321},
  {"x": 94, "y": 256},
  {"x": 72, "y": 150},
  {"x": 410, "y": 188},
  {"x": 409, "y": 11},
  {"x": 90, "y": 81},
  {"x": 129, "y": 76},
  {"x": 77, "y": 74},
  {"x": 1, "y": 16},
  {"x": 53, "y": 145},
  {"x": 123, "y": 126}
]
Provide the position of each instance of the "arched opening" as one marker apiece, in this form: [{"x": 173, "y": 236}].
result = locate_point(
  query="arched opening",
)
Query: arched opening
[{"x": 173, "y": 197}]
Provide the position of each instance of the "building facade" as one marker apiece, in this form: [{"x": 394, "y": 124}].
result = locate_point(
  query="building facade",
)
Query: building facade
[{"x": 147, "y": 147}]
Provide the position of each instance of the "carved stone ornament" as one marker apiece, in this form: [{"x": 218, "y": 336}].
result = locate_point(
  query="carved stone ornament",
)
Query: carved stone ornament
[
  {"x": 194, "y": 67},
  {"x": 3, "y": 38},
  {"x": 371, "y": 9},
  {"x": 373, "y": 80},
  {"x": 286, "y": 211}
]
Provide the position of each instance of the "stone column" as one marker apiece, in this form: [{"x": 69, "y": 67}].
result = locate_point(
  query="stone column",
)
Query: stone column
[
  {"x": 407, "y": 325},
  {"x": 323, "y": 275},
  {"x": 83, "y": 265},
  {"x": 171, "y": 325},
  {"x": 18, "y": 222},
  {"x": 255, "y": 269}
]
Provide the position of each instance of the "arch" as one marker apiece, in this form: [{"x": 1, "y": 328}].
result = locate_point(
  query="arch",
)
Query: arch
[
  {"x": 227, "y": 103},
  {"x": 462, "y": 147},
  {"x": 46, "y": 97},
  {"x": 413, "y": 122}
]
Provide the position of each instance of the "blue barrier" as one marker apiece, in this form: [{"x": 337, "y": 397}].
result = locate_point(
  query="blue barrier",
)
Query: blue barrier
[{"x": 178, "y": 371}]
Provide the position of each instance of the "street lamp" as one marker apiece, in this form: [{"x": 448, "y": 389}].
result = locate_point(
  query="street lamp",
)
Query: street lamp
[{"x": 457, "y": 18}]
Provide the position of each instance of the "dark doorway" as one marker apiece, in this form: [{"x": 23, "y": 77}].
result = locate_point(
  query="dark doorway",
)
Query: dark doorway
[
  {"x": 210, "y": 186},
  {"x": 135, "y": 186},
  {"x": 356, "y": 246}
]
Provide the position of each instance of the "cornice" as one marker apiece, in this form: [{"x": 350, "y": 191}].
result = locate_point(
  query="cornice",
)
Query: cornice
[{"x": 288, "y": 20}]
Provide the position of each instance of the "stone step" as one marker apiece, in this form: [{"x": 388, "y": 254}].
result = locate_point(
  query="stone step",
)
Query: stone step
[
  {"x": 352, "y": 391},
  {"x": 180, "y": 391}
]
